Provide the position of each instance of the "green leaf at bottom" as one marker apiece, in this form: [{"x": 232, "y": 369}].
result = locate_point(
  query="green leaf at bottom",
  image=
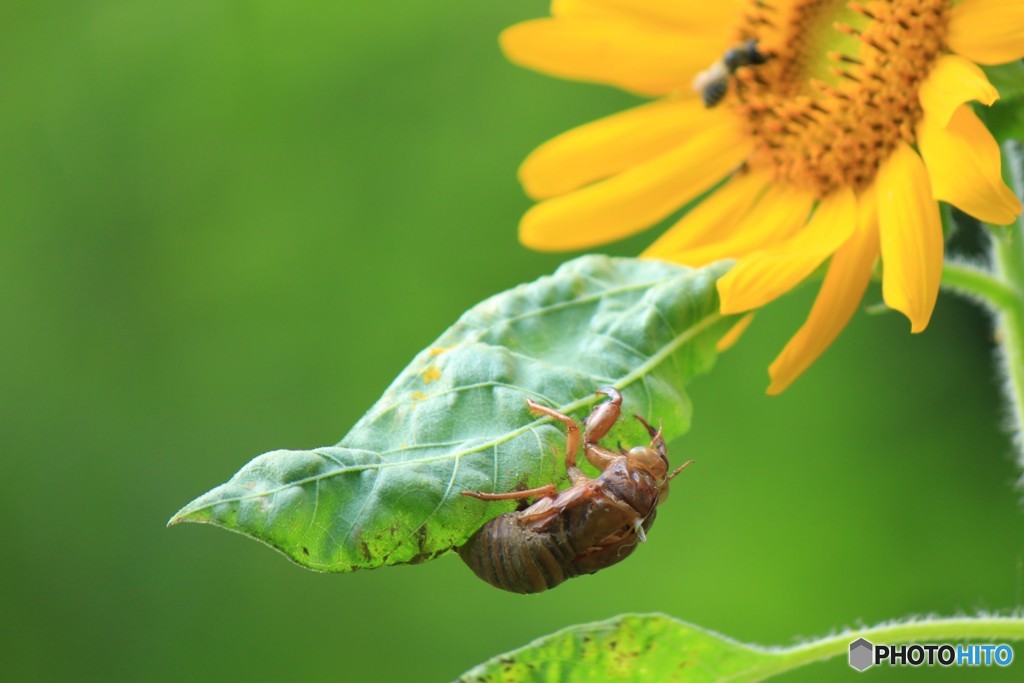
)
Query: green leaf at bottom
[
  {"x": 632, "y": 647},
  {"x": 654, "y": 648}
]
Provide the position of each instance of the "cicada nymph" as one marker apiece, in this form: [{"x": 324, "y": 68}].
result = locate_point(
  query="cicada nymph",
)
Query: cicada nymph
[{"x": 593, "y": 524}]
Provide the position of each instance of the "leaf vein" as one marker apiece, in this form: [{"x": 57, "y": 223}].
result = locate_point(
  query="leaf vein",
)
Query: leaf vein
[{"x": 627, "y": 380}]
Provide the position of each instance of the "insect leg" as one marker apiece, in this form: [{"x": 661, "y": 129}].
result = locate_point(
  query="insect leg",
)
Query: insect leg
[
  {"x": 647, "y": 425},
  {"x": 546, "y": 491},
  {"x": 597, "y": 456},
  {"x": 657, "y": 440},
  {"x": 604, "y": 416},
  {"x": 572, "y": 440},
  {"x": 598, "y": 424}
]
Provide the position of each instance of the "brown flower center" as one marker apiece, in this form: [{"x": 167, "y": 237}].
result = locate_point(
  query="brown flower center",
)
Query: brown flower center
[{"x": 841, "y": 87}]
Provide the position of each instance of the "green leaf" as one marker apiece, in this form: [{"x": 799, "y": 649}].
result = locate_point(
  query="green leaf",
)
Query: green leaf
[
  {"x": 630, "y": 647},
  {"x": 456, "y": 418},
  {"x": 656, "y": 648}
]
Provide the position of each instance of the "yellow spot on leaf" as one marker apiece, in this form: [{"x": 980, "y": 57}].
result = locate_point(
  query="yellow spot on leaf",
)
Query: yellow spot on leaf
[{"x": 431, "y": 374}]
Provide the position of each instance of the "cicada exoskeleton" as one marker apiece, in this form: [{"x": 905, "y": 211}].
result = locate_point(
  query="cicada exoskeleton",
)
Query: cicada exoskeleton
[{"x": 593, "y": 524}]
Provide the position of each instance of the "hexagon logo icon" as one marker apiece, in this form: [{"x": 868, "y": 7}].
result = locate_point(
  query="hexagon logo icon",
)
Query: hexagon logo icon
[{"x": 862, "y": 654}]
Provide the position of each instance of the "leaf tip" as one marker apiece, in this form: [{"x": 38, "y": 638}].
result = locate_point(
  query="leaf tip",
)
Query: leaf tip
[
  {"x": 185, "y": 514},
  {"x": 178, "y": 518}
]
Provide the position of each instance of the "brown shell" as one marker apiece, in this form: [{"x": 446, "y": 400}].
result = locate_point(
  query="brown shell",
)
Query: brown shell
[{"x": 589, "y": 526}]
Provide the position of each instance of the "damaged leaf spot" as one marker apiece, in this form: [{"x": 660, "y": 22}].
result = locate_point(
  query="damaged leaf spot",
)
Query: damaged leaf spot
[{"x": 622, "y": 647}]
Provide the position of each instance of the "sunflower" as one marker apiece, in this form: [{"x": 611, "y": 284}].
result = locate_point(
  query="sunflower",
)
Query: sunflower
[{"x": 835, "y": 145}]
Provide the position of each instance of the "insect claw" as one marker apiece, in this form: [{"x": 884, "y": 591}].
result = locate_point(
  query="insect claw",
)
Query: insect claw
[
  {"x": 659, "y": 441},
  {"x": 622, "y": 450},
  {"x": 650, "y": 429},
  {"x": 612, "y": 393},
  {"x": 535, "y": 407}
]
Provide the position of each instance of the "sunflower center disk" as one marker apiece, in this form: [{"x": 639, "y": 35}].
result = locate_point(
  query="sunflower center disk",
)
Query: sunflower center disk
[{"x": 841, "y": 87}]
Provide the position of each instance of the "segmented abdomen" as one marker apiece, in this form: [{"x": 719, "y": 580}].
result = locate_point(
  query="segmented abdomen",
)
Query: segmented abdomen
[{"x": 509, "y": 556}]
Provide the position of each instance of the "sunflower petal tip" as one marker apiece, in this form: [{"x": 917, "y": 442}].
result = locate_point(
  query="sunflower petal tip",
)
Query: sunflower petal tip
[
  {"x": 518, "y": 41},
  {"x": 987, "y": 94},
  {"x": 532, "y": 178},
  {"x": 1015, "y": 207},
  {"x": 508, "y": 38},
  {"x": 529, "y": 235},
  {"x": 530, "y": 188},
  {"x": 531, "y": 242},
  {"x": 730, "y": 338},
  {"x": 775, "y": 388},
  {"x": 1006, "y": 218},
  {"x": 782, "y": 372},
  {"x": 504, "y": 40},
  {"x": 919, "y": 322},
  {"x": 918, "y": 319}
]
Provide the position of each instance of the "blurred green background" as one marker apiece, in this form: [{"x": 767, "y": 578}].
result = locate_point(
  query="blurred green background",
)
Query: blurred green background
[{"x": 226, "y": 226}]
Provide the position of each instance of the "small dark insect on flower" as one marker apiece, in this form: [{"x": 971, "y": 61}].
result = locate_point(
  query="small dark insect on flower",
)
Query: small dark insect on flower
[
  {"x": 593, "y": 524},
  {"x": 713, "y": 82}
]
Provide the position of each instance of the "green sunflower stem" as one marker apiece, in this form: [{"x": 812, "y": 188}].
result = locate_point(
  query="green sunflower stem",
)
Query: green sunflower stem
[
  {"x": 1001, "y": 287},
  {"x": 978, "y": 282},
  {"x": 1008, "y": 267}
]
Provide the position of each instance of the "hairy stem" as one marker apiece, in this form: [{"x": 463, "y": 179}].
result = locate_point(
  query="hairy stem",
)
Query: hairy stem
[
  {"x": 979, "y": 283},
  {"x": 1002, "y": 289},
  {"x": 1008, "y": 264}
]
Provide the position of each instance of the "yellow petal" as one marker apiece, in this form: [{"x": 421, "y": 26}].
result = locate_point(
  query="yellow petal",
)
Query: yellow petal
[
  {"x": 637, "y": 198},
  {"x": 963, "y": 160},
  {"x": 987, "y": 31},
  {"x": 632, "y": 56},
  {"x": 848, "y": 276},
  {"x": 780, "y": 213},
  {"x": 767, "y": 274},
  {"x": 952, "y": 82},
  {"x": 911, "y": 236},
  {"x": 687, "y": 15},
  {"x": 734, "y": 333},
  {"x": 712, "y": 218},
  {"x": 610, "y": 145}
]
